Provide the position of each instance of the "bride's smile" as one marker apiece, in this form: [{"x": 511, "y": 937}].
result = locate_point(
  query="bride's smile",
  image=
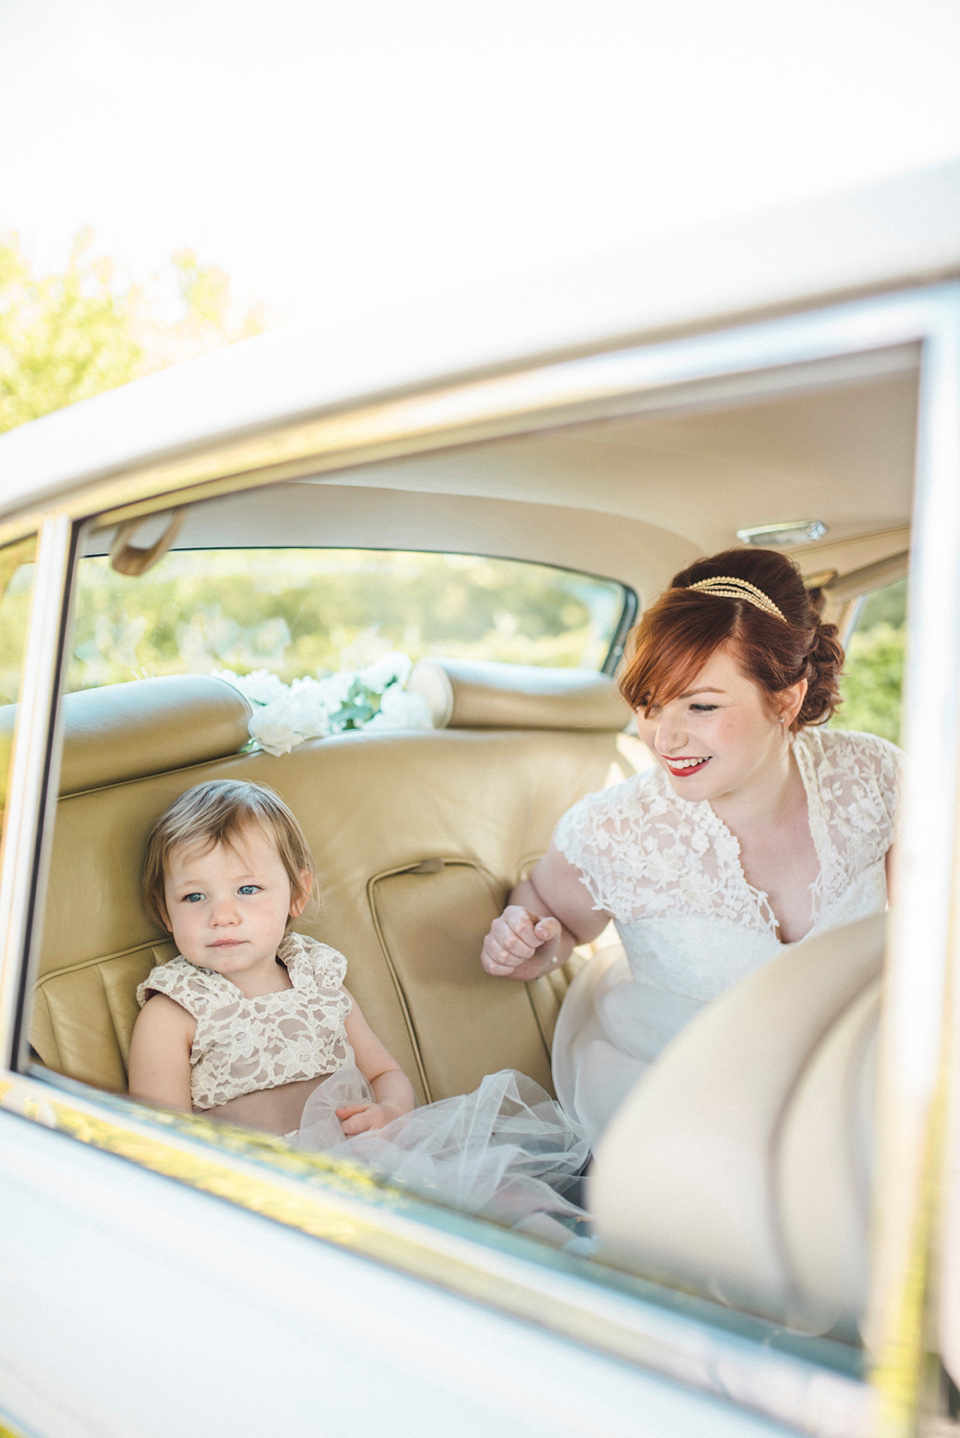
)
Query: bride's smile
[{"x": 722, "y": 736}]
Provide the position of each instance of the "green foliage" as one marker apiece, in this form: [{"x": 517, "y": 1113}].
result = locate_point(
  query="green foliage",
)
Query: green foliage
[
  {"x": 307, "y": 612},
  {"x": 63, "y": 337},
  {"x": 16, "y": 588},
  {"x": 202, "y": 316},
  {"x": 205, "y": 290},
  {"x": 69, "y": 335},
  {"x": 873, "y": 681},
  {"x": 885, "y": 606}
]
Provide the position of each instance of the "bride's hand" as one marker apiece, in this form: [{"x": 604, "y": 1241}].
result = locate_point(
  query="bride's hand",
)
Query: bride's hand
[{"x": 521, "y": 944}]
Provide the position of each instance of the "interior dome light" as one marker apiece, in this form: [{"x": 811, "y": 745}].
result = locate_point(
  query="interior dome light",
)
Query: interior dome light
[{"x": 794, "y": 531}]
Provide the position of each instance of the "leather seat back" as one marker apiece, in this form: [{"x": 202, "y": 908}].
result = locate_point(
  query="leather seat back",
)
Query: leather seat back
[{"x": 740, "y": 1164}]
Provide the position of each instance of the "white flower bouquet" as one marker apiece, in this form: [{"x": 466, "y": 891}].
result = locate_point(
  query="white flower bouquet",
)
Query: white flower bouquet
[{"x": 285, "y": 715}]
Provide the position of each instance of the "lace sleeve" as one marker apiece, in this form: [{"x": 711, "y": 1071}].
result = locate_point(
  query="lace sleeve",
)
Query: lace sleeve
[
  {"x": 180, "y": 981},
  {"x": 154, "y": 983},
  {"x": 593, "y": 837},
  {"x": 330, "y": 966},
  {"x": 858, "y": 778},
  {"x": 889, "y": 778},
  {"x": 308, "y": 956},
  {"x": 883, "y": 762}
]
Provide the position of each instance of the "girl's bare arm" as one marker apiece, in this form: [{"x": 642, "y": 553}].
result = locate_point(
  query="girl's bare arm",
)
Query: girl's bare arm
[
  {"x": 392, "y": 1089},
  {"x": 160, "y": 1053}
]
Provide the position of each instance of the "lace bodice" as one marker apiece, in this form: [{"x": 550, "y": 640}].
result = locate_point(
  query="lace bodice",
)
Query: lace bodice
[
  {"x": 668, "y": 869},
  {"x": 246, "y": 1045}
]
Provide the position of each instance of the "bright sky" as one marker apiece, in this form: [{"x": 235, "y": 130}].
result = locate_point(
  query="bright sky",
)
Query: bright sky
[{"x": 338, "y": 156}]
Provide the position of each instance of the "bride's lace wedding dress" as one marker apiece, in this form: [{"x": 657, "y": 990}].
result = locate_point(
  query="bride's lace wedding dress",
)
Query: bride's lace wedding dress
[{"x": 668, "y": 872}]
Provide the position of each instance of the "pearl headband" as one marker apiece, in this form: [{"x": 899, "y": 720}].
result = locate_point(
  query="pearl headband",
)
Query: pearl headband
[{"x": 725, "y": 586}]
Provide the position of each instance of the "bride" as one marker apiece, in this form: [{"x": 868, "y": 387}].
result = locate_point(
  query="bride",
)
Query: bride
[{"x": 755, "y": 828}]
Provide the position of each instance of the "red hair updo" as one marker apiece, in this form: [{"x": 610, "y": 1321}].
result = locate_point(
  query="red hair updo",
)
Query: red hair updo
[{"x": 684, "y": 628}]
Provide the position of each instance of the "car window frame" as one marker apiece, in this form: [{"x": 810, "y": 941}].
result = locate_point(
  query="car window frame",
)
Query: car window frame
[{"x": 744, "y": 356}]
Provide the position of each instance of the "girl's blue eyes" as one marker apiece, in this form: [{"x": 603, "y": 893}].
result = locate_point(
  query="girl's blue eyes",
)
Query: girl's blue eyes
[
  {"x": 244, "y": 889},
  {"x": 703, "y": 708}
]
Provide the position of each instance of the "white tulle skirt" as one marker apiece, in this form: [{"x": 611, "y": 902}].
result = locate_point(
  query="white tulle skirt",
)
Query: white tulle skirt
[
  {"x": 610, "y": 1030},
  {"x": 506, "y": 1151}
]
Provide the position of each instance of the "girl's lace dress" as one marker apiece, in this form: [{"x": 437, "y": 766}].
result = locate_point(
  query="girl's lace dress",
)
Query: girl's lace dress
[
  {"x": 243, "y": 1045},
  {"x": 668, "y": 872},
  {"x": 506, "y": 1151}
]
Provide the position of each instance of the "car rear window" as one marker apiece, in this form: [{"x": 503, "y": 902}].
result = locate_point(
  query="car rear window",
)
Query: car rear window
[{"x": 298, "y": 612}]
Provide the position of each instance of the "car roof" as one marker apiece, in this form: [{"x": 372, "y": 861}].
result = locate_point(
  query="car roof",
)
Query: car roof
[{"x": 899, "y": 232}]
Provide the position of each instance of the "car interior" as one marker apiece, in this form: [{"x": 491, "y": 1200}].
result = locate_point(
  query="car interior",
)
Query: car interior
[{"x": 419, "y": 836}]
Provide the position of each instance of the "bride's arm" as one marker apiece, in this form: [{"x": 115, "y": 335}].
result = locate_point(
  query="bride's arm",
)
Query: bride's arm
[{"x": 546, "y": 916}]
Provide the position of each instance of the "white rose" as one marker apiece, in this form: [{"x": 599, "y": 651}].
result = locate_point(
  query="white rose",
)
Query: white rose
[
  {"x": 399, "y": 710},
  {"x": 307, "y": 709},
  {"x": 332, "y": 689},
  {"x": 271, "y": 733},
  {"x": 260, "y": 687},
  {"x": 392, "y": 668}
]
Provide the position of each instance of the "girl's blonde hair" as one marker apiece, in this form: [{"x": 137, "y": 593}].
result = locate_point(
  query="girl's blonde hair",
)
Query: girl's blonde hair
[{"x": 218, "y": 812}]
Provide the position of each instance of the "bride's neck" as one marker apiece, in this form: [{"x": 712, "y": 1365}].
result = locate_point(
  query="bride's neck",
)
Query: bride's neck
[{"x": 768, "y": 800}]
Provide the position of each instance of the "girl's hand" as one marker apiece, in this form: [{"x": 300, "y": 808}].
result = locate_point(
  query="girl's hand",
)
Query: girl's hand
[
  {"x": 521, "y": 944},
  {"x": 361, "y": 1117}
]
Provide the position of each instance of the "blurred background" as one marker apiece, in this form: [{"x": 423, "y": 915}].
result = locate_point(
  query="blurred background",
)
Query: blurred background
[{"x": 218, "y": 166}]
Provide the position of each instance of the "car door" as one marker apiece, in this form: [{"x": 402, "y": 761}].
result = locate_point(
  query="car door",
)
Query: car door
[{"x": 164, "y": 1276}]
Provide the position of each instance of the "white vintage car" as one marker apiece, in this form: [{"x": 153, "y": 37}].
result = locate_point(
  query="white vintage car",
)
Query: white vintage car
[{"x": 794, "y": 379}]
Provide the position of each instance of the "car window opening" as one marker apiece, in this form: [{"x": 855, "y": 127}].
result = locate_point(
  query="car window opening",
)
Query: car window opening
[{"x": 418, "y": 830}]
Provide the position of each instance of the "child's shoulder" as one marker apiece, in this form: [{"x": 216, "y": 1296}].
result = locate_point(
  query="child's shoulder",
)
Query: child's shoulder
[
  {"x": 178, "y": 979},
  {"x": 305, "y": 956}
]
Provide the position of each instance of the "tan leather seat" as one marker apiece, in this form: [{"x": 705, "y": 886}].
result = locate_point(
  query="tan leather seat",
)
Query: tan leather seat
[
  {"x": 417, "y": 837},
  {"x": 740, "y": 1164}
]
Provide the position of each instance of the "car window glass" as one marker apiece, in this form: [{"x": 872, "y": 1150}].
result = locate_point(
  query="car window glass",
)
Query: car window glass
[
  {"x": 417, "y": 838},
  {"x": 298, "y": 612},
  {"x": 873, "y": 674}
]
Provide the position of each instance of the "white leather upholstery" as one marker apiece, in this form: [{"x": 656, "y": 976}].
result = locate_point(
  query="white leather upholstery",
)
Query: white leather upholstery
[{"x": 740, "y": 1164}]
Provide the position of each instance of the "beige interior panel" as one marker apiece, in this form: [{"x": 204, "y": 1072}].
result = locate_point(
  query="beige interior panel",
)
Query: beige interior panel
[
  {"x": 702, "y": 1181},
  {"x": 634, "y": 497},
  {"x": 84, "y": 1016},
  {"x": 823, "y": 1162},
  {"x": 844, "y": 453},
  {"x": 465, "y": 1022}
]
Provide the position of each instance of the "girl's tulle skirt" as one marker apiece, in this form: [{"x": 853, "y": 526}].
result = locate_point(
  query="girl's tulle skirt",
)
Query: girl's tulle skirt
[{"x": 506, "y": 1151}]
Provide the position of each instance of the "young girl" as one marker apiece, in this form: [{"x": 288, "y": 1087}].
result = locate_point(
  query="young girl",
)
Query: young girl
[{"x": 251, "y": 1024}]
